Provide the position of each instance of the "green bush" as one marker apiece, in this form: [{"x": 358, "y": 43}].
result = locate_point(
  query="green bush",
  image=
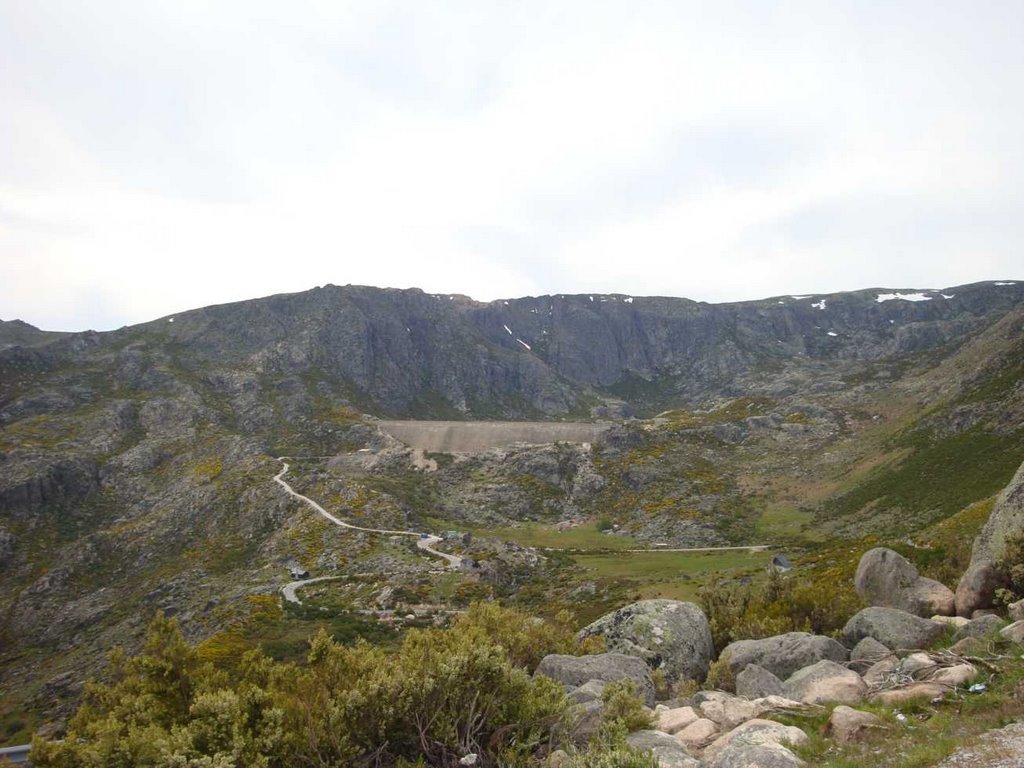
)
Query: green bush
[
  {"x": 440, "y": 695},
  {"x": 820, "y": 605}
]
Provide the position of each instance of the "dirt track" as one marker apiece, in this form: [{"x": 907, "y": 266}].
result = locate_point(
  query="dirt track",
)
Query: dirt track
[{"x": 476, "y": 436}]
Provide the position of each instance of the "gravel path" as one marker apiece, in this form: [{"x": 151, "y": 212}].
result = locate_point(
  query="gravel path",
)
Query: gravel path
[{"x": 1003, "y": 748}]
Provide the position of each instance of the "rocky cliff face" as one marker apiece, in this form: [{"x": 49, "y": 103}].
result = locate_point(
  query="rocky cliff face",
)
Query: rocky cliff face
[{"x": 408, "y": 353}]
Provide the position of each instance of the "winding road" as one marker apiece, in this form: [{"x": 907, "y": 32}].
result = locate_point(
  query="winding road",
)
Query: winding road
[{"x": 424, "y": 541}]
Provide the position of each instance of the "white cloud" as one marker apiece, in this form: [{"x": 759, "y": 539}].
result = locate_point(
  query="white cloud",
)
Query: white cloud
[{"x": 163, "y": 155}]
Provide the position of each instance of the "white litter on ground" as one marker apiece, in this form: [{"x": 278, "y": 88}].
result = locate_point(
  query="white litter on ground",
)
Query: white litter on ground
[
  {"x": 832, "y": 333},
  {"x": 819, "y": 304},
  {"x": 628, "y": 299},
  {"x": 947, "y": 297},
  {"x": 523, "y": 343},
  {"x": 507, "y": 329},
  {"x": 1005, "y": 283},
  {"x": 170, "y": 319}
]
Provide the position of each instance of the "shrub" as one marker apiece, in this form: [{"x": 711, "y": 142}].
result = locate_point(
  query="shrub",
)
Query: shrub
[
  {"x": 440, "y": 695},
  {"x": 782, "y": 604}
]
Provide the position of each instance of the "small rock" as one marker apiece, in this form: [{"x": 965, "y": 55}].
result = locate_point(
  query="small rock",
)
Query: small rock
[
  {"x": 726, "y": 710},
  {"x": 674, "y": 720},
  {"x": 667, "y": 749},
  {"x": 880, "y": 670},
  {"x": 755, "y": 756},
  {"x": 917, "y": 663},
  {"x": 698, "y": 733},
  {"x": 574, "y": 671},
  {"x": 977, "y": 588},
  {"x": 983, "y": 612},
  {"x": 868, "y": 651},
  {"x": 892, "y": 628},
  {"x": 953, "y": 621},
  {"x": 782, "y": 655},
  {"x": 755, "y": 682},
  {"x": 969, "y": 646},
  {"x": 913, "y": 692},
  {"x": 825, "y": 682},
  {"x": 558, "y": 758},
  {"x": 589, "y": 691},
  {"x": 954, "y": 676},
  {"x": 756, "y": 732},
  {"x": 469, "y": 759},
  {"x": 1016, "y": 610},
  {"x": 981, "y": 627},
  {"x": 847, "y": 724},
  {"x": 1014, "y": 632}
]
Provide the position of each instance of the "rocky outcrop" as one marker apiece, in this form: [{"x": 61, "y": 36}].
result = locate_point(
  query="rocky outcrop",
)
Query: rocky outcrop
[
  {"x": 782, "y": 655},
  {"x": 886, "y": 578},
  {"x": 892, "y": 628},
  {"x": 977, "y": 587},
  {"x": 667, "y": 634},
  {"x": 574, "y": 671},
  {"x": 1006, "y": 521}
]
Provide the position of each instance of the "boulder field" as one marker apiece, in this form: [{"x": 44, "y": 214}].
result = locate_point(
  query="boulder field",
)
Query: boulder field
[{"x": 881, "y": 657}]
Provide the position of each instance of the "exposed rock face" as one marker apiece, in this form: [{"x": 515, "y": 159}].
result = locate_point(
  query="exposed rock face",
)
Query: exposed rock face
[
  {"x": 667, "y": 634},
  {"x": 574, "y": 671},
  {"x": 847, "y": 724},
  {"x": 892, "y": 628},
  {"x": 667, "y": 749},
  {"x": 1006, "y": 521},
  {"x": 886, "y": 578},
  {"x": 977, "y": 587},
  {"x": 755, "y": 682},
  {"x": 825, "y": 682},
  {"x": 782, "y": 655}
]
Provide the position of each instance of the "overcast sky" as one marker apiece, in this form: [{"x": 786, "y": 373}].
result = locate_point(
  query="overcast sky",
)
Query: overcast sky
[{"x": 159, "y": 156}]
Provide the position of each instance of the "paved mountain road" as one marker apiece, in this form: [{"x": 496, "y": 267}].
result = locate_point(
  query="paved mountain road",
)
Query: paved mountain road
[{"x": 424, "y": 541}]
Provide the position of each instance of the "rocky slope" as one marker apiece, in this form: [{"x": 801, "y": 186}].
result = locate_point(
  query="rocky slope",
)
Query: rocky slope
[{"x": 135, "y": 464}]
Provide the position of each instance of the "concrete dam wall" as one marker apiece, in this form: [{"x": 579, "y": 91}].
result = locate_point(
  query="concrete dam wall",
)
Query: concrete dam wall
[{"x": 477, "y": 436}]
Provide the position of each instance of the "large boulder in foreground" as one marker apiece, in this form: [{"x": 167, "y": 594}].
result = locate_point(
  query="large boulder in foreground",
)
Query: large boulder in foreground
[
  {"x": 667, "y": 634},
  {"x": 977, "y": 588},
  {"x": 892, "y": 628},
  {"x": 1005, "y": 522},
  {"x": 782, "y": 655},
  {"x": 886, "y": 578},
  {"x": 574, "y": 671}
]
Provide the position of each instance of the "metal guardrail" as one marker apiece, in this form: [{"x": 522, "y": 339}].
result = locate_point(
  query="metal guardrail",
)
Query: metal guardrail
[{"x": 15, "y": 755}]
